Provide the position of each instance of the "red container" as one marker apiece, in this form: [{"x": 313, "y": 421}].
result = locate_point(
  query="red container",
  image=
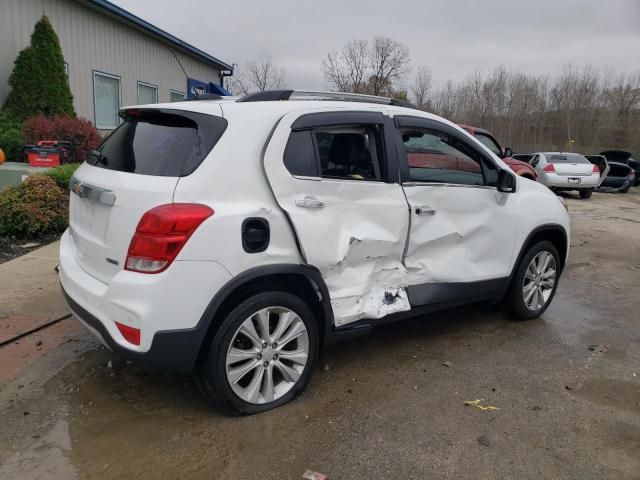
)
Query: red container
[{"x": 47, "y": 153}]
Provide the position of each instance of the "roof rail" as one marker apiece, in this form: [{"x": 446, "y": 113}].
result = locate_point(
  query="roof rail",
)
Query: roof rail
[
  {"x": 204, "y": 96},
  {"x": 277, "y": 95}
]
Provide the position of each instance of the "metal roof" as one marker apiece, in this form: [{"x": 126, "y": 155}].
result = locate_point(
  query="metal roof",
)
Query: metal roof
[{"x": 121, "y": 14}]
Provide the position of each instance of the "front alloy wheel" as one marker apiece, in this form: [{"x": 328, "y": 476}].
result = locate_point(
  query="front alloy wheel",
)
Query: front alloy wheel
[
  {"x": 267, "y": 355},
  {"x": 534, "y": 283},
  {"x": 539, "y": 280}
]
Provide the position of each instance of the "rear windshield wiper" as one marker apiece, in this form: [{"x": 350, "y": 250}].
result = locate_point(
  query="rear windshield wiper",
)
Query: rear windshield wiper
[{"x": 97, "y": 156}]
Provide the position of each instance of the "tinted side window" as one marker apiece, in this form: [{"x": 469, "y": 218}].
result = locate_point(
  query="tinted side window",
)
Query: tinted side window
[
  {"x": 299, "y": 155},
  {"x": 437, "y": 157},
  {"x": 349, "y": 153},
  {"x": 159, "y": 144}
]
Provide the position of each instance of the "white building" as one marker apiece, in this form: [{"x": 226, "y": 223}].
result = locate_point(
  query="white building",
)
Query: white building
[{"x": 113, "y": 58}]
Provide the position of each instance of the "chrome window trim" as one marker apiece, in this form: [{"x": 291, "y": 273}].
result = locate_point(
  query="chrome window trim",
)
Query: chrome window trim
[{"x": 446, "y": 185}]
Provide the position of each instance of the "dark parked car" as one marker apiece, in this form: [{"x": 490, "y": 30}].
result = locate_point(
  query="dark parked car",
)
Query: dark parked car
[
  {"x": 622, "y": 156},
  {"x": 620, "y": 178},
  {"x": 522, "y": 157}
]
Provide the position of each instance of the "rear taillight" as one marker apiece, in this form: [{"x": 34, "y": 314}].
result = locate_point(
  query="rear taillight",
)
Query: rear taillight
[
  {"x": 596, "y": 169},
  {"x": 549, "y": 168},
  {"x": 161, "y": 234}
]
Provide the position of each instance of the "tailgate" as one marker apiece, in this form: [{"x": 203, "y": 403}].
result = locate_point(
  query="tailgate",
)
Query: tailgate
[{"x": 104, "y": 210}]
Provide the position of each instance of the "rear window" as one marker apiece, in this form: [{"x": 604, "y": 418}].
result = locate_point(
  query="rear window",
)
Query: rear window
[
  {"x": 159, "y": 143},
  {"x": 566, "y": 158}
]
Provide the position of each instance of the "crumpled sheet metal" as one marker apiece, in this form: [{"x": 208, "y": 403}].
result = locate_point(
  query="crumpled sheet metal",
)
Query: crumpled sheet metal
[{"x": 369, "y": 281}]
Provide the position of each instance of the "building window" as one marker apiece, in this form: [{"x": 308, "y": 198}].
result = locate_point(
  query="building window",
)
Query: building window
[
  {"x": 175, "y": 96},
  {"x": 106, "y": 100},
  {"x": 147, "y": 93}
]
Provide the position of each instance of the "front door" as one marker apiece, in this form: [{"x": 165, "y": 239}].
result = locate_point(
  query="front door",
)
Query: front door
[
  {"x": 462, "y": 233},
  {"x": 330, "y": 173}
]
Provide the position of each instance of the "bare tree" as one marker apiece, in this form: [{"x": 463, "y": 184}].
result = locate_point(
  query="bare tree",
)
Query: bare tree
[
  {"x": 258, "y": 75},
  {"x": 421, "y": 87},
  {"x": 345, "y": 69},
  {"x": 582, "y": 109},
  {"x": 389, "y": 63},
  {"x": 360, "y": 67}
]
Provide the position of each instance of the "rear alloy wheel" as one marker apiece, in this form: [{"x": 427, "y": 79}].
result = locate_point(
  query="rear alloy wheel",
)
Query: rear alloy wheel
[
  {"x": 262, "y": 355},
  {"x": 534, "y": 283},
  {"x": 584, "y": 194}
]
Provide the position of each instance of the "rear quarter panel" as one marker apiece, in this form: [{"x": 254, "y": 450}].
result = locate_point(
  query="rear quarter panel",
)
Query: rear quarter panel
[{"x": 232, "y": 182}]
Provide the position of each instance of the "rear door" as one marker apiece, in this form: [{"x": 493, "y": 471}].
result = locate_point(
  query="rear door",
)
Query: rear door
[
  {"x": 333, "y": 175},
  {"x": 135, "y": 169},
  {"x": 462, "y": 233}
]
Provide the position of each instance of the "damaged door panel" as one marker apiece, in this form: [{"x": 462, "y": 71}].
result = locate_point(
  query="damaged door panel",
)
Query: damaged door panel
[
  {"x": 351, "y": 225},
  {"x": 461, "y": 225},
  {"x": 468, "y": 237}
]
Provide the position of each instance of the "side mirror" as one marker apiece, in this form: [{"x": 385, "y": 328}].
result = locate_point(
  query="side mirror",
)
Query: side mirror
[
  {"x": 506, "y": 181},
  {"x": 507, "y": 152}
]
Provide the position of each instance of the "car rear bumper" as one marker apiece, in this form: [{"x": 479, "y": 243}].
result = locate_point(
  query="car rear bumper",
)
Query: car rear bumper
[
  {"x": 166, "y": 308},
  {"x": 553, "y": 180}
]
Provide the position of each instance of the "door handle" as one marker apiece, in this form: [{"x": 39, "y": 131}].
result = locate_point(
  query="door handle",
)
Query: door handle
[
  {"x": 425, "y": 210},
  {"x": 309, "y": 202}
]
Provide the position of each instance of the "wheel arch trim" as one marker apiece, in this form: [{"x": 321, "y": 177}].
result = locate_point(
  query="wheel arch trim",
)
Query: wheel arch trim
[
  {"x": 311, "y": 274},
  {"x": 540, "y": 229}
]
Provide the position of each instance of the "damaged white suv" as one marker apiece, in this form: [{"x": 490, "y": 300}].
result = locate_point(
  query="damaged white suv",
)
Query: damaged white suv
[{"x": 236, "y": 238}]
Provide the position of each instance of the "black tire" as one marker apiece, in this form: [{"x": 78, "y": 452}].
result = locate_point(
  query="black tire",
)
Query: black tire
[
  {"x": 515, "y": 294},
  {"x": 584, "y": 194},
  {"x": 625, "y": 189},
  {"x": 212, "y": 370}
]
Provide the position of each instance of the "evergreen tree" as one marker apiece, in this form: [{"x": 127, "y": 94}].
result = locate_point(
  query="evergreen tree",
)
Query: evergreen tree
[{"x": 38, "y": 81}]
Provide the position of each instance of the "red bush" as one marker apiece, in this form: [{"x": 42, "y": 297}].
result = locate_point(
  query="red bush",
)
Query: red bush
[{"x": 81, "y": 133}]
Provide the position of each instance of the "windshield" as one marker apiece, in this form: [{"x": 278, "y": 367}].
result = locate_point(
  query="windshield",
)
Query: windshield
[
  {"x": 566, "y": 158},
  {"x": 490, "y": 143}
]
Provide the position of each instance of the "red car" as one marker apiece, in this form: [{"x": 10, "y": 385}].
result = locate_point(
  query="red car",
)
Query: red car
[{"x": 521, "y": 168}]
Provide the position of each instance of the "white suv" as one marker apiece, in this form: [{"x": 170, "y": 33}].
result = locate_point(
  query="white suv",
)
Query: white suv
[{"x": 237, "y": 238}]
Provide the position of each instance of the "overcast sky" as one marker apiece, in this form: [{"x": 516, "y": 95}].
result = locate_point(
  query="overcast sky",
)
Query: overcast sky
[{"x": 452, "y": 37}]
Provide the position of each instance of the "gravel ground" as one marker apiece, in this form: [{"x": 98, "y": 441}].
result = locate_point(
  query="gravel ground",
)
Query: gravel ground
[{"x": 466, "y": 393}]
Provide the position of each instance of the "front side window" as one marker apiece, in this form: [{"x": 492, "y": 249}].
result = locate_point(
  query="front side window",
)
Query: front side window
[
  {"x": 440, "y": 158},
  {"x": 106, "y": 99},
  {"x": 147, "y": 93},
  {"x": 490, "y": 143}
]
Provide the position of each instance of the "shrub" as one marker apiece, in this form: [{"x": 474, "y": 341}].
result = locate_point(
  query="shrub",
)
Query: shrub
[
  {"x": 81, "y": 133},
  {"x": 38, "y": 82},
  {"x": 35, "y": 207},
  {"x": 62, "y": 174},
  {"x": 11, "y": 140}
]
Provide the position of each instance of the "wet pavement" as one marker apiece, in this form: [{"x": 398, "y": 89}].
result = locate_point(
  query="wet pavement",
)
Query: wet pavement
[{"x": 412, "y": 400}]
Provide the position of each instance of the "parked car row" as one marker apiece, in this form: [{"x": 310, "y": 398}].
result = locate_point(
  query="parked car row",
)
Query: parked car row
[{"x": 611, "y": 170}]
